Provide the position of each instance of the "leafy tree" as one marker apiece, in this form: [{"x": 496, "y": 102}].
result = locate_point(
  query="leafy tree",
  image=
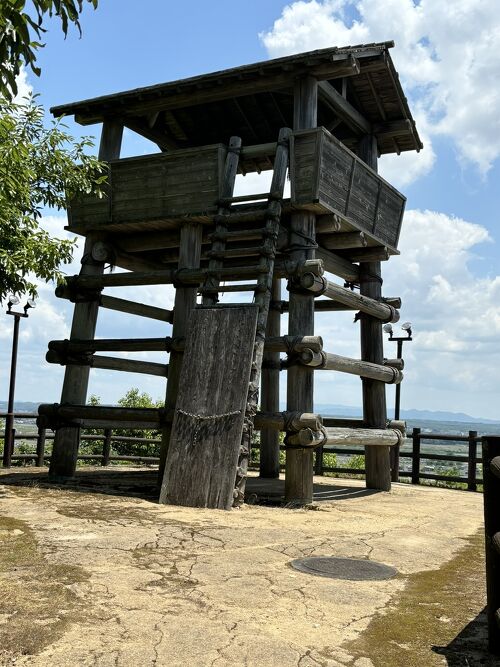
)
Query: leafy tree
[
  {"x": 133, "y": 398},
  {"x": 39, "y": 167},
  {"x": 20, "y": 32}
]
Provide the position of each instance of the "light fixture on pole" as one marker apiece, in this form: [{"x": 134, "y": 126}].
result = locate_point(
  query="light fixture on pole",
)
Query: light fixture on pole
[
  {"x": 8, "y": 446},
  {"x": 406, "y": 327}
]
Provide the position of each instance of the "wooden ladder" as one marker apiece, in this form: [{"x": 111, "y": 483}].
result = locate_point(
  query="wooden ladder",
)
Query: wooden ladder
[{"x": 232, "y": 225}]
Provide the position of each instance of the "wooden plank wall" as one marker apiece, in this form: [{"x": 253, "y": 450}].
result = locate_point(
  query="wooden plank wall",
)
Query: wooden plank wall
[
  {"x": 155, "y": 186},
  {"x": 214, "y": 382},
  {"x": 345, "y": 184}
]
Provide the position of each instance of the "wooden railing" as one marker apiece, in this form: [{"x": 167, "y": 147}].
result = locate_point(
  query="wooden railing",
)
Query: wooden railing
[
  {"x": 418, "y": 454},
  {"x": 105, "y": 457}
]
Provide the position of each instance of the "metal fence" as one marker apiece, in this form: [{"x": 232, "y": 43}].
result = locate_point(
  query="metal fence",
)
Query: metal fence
[{"x": 468, "y": 460}]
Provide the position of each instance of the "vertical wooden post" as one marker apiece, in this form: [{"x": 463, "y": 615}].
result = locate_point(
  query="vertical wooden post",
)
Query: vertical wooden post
[
  {"x": 471, "y": 463},
  {"x": 106, "y": 446},
  {"x": 270, "y": 394},
  {"x": 76, "y": 378},
  {"x": 300, "y": 379},
  {"x": 40, "y": 446},
  {"x": 185, "y": 301},
  {"x": 415, "y": 462},
  {"x": 491, "y": 482},
  {"x": 377, "y": 459}
]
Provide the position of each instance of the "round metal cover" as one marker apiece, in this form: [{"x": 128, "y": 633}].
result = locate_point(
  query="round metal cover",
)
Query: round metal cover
[{"x": 352, "y": 569}]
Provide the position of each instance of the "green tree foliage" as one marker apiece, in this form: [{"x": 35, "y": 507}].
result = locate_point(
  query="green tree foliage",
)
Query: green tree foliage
[
  {"x": 39, "y": 167},
  {"x": 133, "y": 398},
  {"x": 20, "y": 29}
]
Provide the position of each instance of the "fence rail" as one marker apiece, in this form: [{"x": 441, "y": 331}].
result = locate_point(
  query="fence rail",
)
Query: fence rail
[{"x": 416, "y": 455}]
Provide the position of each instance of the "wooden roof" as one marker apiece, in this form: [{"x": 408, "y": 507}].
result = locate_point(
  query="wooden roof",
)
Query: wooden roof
[{"x": 359, "y": 92}]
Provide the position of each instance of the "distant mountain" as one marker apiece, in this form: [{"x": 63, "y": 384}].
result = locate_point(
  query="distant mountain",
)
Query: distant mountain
[
  {"x": 337, "y": 411},
  {"x": 441, "y": 416},
  {"x": 20, "y": 406},
  {"x": 421, "y": 415}
]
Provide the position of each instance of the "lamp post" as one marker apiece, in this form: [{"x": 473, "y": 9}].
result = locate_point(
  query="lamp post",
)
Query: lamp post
[
  {"x": 406, "y": 327},
  {"x": 8, "y": 446}
]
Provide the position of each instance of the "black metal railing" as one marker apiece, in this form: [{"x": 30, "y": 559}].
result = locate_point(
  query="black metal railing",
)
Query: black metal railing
[{"x": 469, "y": 460}]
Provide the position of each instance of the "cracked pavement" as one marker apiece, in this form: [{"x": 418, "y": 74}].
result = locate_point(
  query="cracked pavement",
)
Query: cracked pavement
[{"x": 172, "y": 586}]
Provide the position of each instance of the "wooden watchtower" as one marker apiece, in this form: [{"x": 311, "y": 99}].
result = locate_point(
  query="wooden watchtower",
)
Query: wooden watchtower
[{"x": 321, "y": 117}]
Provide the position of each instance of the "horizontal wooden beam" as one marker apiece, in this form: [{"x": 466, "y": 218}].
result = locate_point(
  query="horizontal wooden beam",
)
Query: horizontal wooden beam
[
  {"x": 108, "y": 363},
  {"x": 395, "y": 363},
  {"x": 337, "y": 265},
  {"x": 342, "y": 422},
  {"x": 165, "y": 344},
  {"x": 393, "y": 128},
  {"x": 287, "y": 421},
  {"x": 328, "y": 223},
  {"x": 344, "y": 240},
  {"x": 373, "y": 254},
  {"x": 56, "y": 411},
  {"x": 134, "y": 308},
  {"x": 190, "y": 276},
  {"x": 366, "y": 437},
  {"x": 334, "y": 362},
  {"x": 113, "y": 303},
  {"x": 293, "y": 343},
  {"x": 102, "y": 416},
  {"x": 327, "y": 305},
  {"x": 65, "y": 348},
  {"x": 378, "y": 309},
  {"x": 344, "y": 109}
]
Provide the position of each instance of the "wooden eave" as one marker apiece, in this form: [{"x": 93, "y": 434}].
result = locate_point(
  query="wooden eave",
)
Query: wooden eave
[{"x": 254, "y": 101}]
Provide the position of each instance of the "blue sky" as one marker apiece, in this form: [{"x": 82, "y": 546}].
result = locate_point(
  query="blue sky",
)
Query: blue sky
[{"x": 448, "y": 272}]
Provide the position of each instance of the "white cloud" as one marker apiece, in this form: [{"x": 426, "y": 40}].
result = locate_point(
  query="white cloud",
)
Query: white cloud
[
  {"x": 402, "y": 170},
  {"x": 446, "y": 55},
  {"x": 456, "y": 315},
  {"x": 24, "y": 88}
]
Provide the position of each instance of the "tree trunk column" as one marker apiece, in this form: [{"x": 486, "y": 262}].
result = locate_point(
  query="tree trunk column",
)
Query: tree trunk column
[
  {"x": 270, "y": 394},
  {"x": 377, "y": 459},
  {"x": 76, "y": 378},
  {"x": 300, "y": 379},
  {"x": 378, "y": 464},
  {"x": 185, "y": 301}
]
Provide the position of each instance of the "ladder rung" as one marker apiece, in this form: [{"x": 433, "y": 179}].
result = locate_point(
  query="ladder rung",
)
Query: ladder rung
[
  {"x": 251, "y": 215},
  {"x": 240, "y": 234},
  {"x": 237, "y": 252},
  {"x": 240, "y": 198},
  {"x": 247, "y": 287}
]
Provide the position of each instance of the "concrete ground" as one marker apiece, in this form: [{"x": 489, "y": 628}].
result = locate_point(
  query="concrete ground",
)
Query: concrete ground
[{"x": 98, "y": 574}]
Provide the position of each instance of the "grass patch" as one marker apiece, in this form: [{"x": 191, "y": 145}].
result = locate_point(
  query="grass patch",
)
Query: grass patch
[
  {"x": 421, "y": 624},
  {"x": 37, "y": 600}
]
